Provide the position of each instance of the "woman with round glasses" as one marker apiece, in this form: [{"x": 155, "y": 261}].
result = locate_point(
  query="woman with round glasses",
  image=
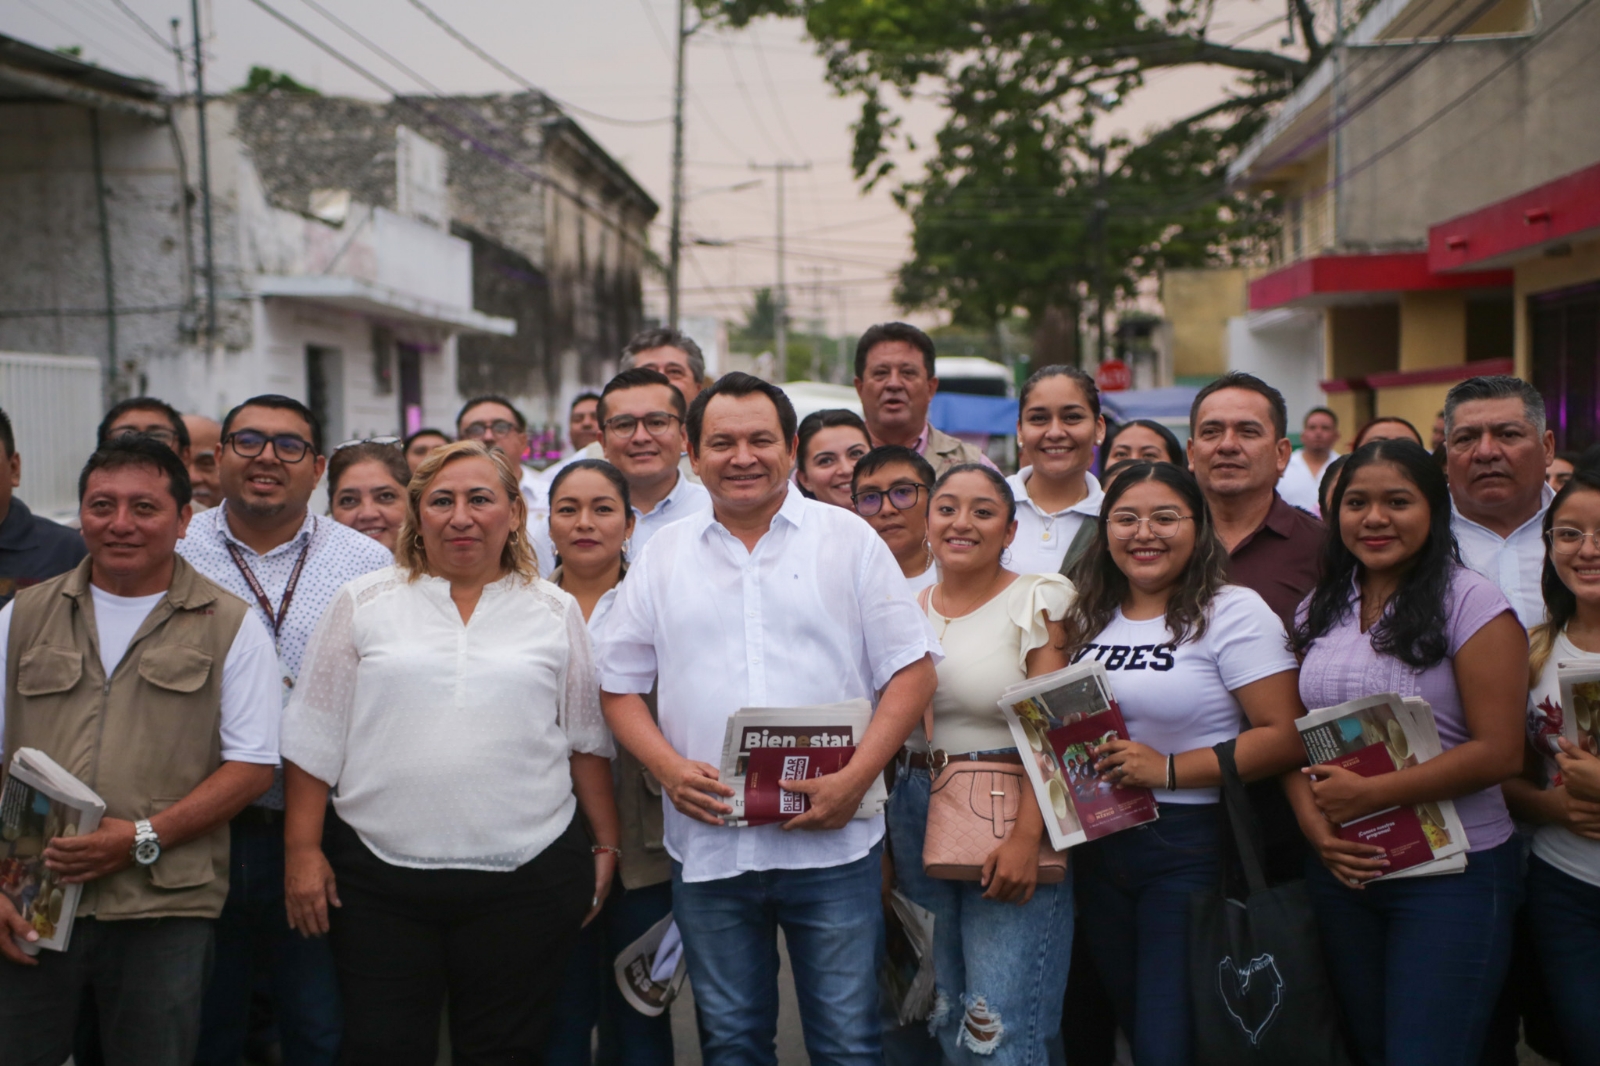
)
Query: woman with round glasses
[
  {"x": 1563, "y": 883},
  {"x": 1190, "y": 659},
  {"x": 1059, "y": 425},
  {"x": 831, "y": 443},
  {"x": 890, "y": 488},
  {"x": 367, "y": 488},
  {"x": 1395, "y": 611}
]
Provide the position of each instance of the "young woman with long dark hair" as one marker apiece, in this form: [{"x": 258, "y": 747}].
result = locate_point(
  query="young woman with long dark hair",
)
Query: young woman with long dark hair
[
  {"x": 831, "y": 442},
  {"x": 1059, "y": 425},
  {"x": 1396, "y": 611},
  {"x": 1191, "y": 658}
]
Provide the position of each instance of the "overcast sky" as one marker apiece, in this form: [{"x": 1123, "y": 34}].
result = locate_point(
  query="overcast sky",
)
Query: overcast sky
[{"x": 757, "y": 95}]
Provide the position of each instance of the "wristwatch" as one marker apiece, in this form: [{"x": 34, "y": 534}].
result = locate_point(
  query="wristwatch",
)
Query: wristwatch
[{"x": 146, "y": 844}]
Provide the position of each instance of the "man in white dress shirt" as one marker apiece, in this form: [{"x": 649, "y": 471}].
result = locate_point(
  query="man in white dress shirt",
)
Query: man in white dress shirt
[
  {"x": 768, "y": 599},
  {"x": 1497, "y": 448},
  {"x": 1302, "y": 478},
  {"x": 641, "y": 429}
]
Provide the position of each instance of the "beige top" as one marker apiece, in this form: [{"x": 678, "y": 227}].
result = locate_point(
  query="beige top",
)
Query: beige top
[{"x": 984, "y": 652}]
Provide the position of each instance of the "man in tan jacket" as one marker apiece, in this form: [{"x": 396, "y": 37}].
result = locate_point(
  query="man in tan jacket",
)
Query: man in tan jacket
[
  {"x": 158, "y": 690},
  {"x": 896, "y": 383}
]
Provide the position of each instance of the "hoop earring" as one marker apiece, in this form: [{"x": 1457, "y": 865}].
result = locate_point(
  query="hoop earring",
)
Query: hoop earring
[
  {"x": 1005, "y": 556},
  {"x": 513, "y": 537}
]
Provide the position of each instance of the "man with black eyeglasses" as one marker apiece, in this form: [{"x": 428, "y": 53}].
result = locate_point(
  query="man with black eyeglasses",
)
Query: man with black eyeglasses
[
  {"x": 641, "y": 429},
  {"x": 262, "y": 544}
]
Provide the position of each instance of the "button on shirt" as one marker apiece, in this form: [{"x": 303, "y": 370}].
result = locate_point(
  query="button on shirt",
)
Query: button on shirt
[
  {"x": 818, "y": 613},
  {"x": 1515, "y": 563},
  {"x": 1043, "y": 538}
]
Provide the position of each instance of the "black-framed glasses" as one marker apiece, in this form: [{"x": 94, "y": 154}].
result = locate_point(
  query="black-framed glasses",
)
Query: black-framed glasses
[
  {"x": 249, "y": 443},
  {"x": 1124, "y": 525},
  {"x": 499, "y": 427},
  {"x": 392, "y": 441},
  {"x": 1564, "y": 540},
  {"x": 903, "y": 497},
  {"x": 160, "y": 436},
  {"x": 656, "y": 423}
]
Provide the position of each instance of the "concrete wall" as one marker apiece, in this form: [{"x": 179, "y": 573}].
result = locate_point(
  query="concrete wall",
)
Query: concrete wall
[
  {"x": 1433, "y": 329},
  {"x": 1417, "y": 404},
  {"x": 1199, "y": 305},
  {"x": 1284, "y": 349}
]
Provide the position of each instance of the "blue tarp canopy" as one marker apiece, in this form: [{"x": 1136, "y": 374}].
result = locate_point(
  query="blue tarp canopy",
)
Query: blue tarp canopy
[
  {"x": 957, "y": 412},
  {"x": 1159, "y": 404}
]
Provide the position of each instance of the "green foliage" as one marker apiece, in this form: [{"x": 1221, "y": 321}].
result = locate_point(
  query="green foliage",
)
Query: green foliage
[
  {"x": 266, "y": 80},
  {"x": 73, "y": 51},
  {"x": 1019, "y": 208}
]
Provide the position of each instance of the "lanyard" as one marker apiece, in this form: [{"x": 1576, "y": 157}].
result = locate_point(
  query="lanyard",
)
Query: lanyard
[{"x": 275, "y": 620}]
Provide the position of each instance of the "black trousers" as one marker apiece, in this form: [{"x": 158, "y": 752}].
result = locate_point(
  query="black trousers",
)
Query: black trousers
[{"x": 495, "y": 944}]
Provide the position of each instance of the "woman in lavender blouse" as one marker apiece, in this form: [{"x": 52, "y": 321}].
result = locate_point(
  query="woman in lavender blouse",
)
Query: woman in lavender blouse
[{"x": 1397, "y": 612}]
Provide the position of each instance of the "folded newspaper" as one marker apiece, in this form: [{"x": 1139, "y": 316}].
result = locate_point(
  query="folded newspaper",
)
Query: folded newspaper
[
  {"x": 650, "y": 971},
  {"x": 791, "y": 731},
  {"x": 1580, "y": 700},
  {"x": 1385, "y": 734},
  {"x": 1055, "y": 720},
  {"x": 38, "y": 802}
]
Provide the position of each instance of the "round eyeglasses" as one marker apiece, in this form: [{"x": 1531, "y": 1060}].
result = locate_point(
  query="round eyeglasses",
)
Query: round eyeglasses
[
  {"x": 1124, "y": 525},
  {"x": 902, "y": 497}
]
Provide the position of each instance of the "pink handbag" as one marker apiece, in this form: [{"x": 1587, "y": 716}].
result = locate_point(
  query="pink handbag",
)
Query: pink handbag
[{"x": 971, "y": 809}]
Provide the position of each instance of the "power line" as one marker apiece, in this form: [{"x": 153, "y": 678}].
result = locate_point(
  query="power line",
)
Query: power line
[
  {"x": 750, "y": 105},
  {"x": 772, "y": 94},
  {"x": 165, "y": 45},
  {"x": 472, "y": 46}
]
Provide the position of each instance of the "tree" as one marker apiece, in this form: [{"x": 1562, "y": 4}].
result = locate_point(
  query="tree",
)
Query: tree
[
  {"x": 1019, "y": 207},
  {"x": 266, "y": 80}
]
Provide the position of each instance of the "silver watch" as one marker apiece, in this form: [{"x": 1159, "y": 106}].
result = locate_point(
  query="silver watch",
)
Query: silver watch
[{"x": 146, "y": 844}]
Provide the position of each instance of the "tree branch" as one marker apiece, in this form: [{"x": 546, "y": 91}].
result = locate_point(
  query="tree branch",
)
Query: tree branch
[
  {"x": 1308, "y": 29},
  {"x": 1177, "y": 51}
]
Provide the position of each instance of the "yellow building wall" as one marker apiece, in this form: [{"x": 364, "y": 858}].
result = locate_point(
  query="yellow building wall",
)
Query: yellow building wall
[
  {"x": 1545, "y": 275},
  {"x": 1433, "y": 329},
  {"x": 1199, "y": 303},
  {"x": 1349, "y": 409},
  {"x": 1417, "y": 404}
]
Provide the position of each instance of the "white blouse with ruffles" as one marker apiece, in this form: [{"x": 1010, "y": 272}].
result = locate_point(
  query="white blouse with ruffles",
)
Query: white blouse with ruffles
[
  {"x": 985, "y": 652},
  {"x": 447, "y": 744}
]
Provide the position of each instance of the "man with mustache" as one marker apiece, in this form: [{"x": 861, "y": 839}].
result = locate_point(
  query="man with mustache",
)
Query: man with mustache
[
  {"x": 263, "y": 545},
  {"x": 896, "y": 382},
  {"x": 1496, "y": 451},
  {"x": 1238, "y": 450}
]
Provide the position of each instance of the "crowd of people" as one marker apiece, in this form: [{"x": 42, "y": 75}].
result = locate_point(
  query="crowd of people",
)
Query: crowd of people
[{"x": 457, "y": 741}]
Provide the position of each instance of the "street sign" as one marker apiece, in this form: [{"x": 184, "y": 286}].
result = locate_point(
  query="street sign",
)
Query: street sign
[{"x": 1113, "y": 376}]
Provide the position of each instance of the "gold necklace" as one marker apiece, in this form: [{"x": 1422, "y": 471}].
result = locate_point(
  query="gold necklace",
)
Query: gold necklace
[{"x": 948, "y": 618}]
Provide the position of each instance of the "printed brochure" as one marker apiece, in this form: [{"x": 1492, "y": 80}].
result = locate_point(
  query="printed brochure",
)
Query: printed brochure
[{"x": 40, "y": 801}]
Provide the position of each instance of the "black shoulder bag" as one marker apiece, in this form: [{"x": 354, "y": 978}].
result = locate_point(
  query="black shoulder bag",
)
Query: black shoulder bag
[{"x": 1259, "y": 990}]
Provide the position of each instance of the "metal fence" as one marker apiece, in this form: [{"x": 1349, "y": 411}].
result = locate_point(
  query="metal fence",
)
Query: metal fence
[{"x": 54, "y": 405}]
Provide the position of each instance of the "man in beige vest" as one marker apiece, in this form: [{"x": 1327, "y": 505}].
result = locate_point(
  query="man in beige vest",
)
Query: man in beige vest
[
  {"x": 158, "y": 690},
  {"x": 896, "y": 383}
]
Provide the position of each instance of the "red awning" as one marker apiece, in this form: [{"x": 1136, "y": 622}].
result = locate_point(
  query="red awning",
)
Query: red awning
[
  {"x": 1521, "y": 226},
  {"x": 1342, "y": 279}
]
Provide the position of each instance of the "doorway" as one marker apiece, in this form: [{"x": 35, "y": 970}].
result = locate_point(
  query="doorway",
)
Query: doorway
[
  {"x": 325, "y": 392},
  {"x": 1564, "y": 335},
  {"x": 408, "y": 360}
]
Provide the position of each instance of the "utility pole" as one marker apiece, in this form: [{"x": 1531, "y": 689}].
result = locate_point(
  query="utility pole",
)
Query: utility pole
[
  {"x": 675, "y": 239},
  {"x": 1098, "y": 220},
  {"x": 780, "y": 293},
  {"x": 205, "y": 175}
]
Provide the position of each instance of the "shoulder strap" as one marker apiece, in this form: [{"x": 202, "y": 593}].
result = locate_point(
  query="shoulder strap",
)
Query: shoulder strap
[
  {"x": 1247, "y": 839},
  {"x": 925, "y": 597},
  {"x": 1080, "y": 544}
]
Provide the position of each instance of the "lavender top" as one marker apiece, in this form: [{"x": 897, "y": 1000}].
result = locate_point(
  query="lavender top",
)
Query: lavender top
[{"x": 1342, "y": 665}]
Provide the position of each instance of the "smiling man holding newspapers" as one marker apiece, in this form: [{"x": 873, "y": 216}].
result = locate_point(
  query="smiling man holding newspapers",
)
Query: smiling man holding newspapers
[{"x": 158, "y": 692}]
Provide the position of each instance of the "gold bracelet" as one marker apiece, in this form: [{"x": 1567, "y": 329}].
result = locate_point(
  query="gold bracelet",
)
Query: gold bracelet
[{"x": 612, "y": 849}]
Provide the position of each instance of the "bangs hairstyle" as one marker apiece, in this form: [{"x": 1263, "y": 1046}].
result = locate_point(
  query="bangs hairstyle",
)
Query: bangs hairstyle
[
  {"x": 1102, "y": 586},
  {"x": 409, "y": 552},
  {"x": 888, "y": 455},
  {"x": 136, "y": 449},
  {"x": 1560, "y": 604},
  {"x": 1412, "y": 627},
  {"x": 1001, "y": 489}
]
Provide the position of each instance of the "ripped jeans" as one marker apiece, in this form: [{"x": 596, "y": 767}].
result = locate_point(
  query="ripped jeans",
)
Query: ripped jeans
[{"x": 1000, "y": 969}]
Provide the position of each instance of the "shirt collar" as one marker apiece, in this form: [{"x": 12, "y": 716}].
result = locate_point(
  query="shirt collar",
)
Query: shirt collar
[
  {"x": 1089, "y": 505},
  {"x": 668, "y": 500},
  {"x": 225, "y": 532},
  {"x": 1546, "y": 495},
  {"x": 792, "y": 510},
  {"x": 920, "y": 445},
  {"x": 1280, "y": 517}
]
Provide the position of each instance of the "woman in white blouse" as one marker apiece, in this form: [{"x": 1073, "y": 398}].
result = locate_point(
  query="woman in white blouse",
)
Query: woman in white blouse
[{"x": 450, "y": 703}]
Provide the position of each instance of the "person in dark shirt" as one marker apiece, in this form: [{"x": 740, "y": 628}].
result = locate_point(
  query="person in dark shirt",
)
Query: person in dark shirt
[
  {"x": 32, "y": 549},
  {"x": 1238, "y": 448}
]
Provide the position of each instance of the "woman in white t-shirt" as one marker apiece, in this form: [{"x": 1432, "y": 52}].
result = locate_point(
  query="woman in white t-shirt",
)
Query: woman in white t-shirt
[
  {"x": 1193, "y": 661},
  {"x": 1564, "y": 872}
]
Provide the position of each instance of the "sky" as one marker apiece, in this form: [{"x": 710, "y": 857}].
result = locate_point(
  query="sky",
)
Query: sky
[{"x": 757, "y": 95}]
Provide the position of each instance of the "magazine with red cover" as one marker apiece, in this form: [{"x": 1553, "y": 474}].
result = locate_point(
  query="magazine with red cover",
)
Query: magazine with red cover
[
  {"x": 765, "y": 801},
  {"x": 1398, "y": 830},
  {"x": 1102, "y": 807}
]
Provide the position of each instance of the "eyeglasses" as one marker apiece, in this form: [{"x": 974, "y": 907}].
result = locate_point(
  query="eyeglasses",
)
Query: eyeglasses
[
  {"x": 394, "y": 441},
  {"x": 657, "y": 423},
  {"x": 160, "y": 436},
  {"x": 903, "y": 497},
  {"x": 249, "y": 443},
  {"x": 1124, "y": 525},
  {"x": 499, "y": 427},
  {"x": 1564, "y": 540}
]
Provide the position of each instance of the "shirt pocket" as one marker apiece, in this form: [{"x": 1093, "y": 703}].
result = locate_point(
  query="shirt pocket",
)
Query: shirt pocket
[
  {"x": 188, "y": 865},
  {"x": 48, "y": 669},
  {"x": 175, "y": 667}
]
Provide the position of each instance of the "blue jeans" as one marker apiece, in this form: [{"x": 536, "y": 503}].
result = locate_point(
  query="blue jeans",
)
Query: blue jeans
[
  {"x": 253, "y": 934},
  {"x": 832, "y": 920},
  {"x": 1418, "y": 963},
  {"x": 1564, "y": 916},
  {"x": 589, "y": 995},
  {"x": 1134, "y": 888},
  {"x": 1000, "y": 969}
]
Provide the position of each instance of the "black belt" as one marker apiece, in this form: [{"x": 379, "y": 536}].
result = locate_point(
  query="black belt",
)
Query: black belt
[{"x": 936, "y": 760}]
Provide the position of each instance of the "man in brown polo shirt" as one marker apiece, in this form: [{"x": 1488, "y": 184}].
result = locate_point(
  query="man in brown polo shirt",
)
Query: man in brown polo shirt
[{"x": 1238, "y": 448}]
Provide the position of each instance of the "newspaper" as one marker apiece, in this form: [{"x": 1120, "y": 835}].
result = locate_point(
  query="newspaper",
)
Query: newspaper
[
  {"x": 650, "y": 971},
  {"x": 1384, "y": 734},
  {"x": 1580, "y": 702},
  {"x": 38, "y": 802},
  {"x": 1055, "y": 720},
  {"x": 832, "y": 725}
]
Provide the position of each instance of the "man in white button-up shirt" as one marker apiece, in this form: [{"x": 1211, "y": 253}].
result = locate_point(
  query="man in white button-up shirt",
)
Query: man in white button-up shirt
[
  {"x": 771, "y": 600},
  {"x": 1497, "y": 448},
  {"x": 632, "y": 402}
]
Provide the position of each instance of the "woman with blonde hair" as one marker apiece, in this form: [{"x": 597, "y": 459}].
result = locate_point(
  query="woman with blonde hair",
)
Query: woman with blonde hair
[{"x": 450, "y": 703}]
